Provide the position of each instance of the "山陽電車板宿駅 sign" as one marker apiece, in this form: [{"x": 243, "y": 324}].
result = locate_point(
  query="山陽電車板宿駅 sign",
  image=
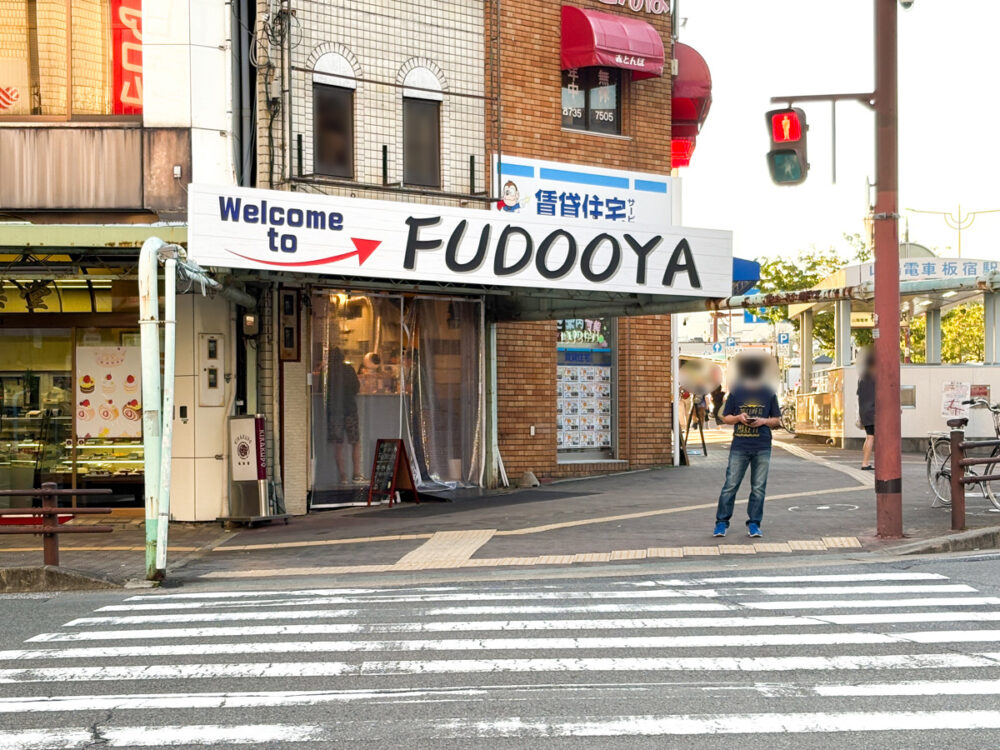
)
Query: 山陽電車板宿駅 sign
[{"x": 232, "y": 227}]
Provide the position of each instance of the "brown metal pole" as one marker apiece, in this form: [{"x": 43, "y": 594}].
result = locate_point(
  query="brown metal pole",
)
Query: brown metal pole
[
  {"x": 957, "y": 487},
  {"x": 50, "y": 539},
  {"x": 888, "y": 446}
]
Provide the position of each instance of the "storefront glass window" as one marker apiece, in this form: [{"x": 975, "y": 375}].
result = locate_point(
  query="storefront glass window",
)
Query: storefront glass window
[
  {"x": 591, "y": 100},
  {"x": 586, "y": 380},
  {"x": 81, "y": 58},
  {"x": 36, "y": 422},
  {"x": 388, "y": 366}
]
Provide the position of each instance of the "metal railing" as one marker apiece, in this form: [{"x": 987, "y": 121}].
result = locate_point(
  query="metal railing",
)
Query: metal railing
[
  {"x": 47, "y": 523},
  {"x": 959, "y": 462}
]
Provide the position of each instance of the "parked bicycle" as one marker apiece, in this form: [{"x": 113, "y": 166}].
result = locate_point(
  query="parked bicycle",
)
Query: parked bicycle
[
  {"x": 788, "y": 414},
  {"x": 938, "y": 460}
]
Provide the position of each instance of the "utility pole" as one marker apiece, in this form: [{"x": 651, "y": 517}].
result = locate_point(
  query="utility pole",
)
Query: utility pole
[{"x": 888, "y": 458}]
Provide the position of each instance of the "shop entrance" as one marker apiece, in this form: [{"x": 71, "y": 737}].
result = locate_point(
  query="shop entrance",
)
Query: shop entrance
[{"x": 394, "y": 366}]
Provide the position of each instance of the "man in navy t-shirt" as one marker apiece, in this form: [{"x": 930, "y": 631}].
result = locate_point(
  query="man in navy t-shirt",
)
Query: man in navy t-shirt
[{"x": 753, "y": 408}]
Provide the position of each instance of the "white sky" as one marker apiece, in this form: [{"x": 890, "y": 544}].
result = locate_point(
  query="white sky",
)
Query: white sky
[{"x": 949, "y": 56}]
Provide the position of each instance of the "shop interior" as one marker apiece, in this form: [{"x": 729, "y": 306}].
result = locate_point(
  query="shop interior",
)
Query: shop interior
[
  {"x": 394, "y": 366},
  {"x": 70, "y": 409}
]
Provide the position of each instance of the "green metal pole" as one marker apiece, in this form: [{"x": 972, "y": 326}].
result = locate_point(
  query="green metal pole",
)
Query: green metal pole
[{"x": 149, "y": 332}]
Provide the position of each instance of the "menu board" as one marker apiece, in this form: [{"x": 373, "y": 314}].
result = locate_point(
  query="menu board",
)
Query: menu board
[
  {"x": 583, "y": 406},
  {"x": 391, "y": 472},
  {"x": 108, "y": 392}
]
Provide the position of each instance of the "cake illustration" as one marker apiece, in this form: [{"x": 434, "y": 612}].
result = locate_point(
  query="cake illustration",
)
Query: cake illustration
[
  {"x": 108, "y": 385},
  {"x": 109, "y": 411},
  {"x": 131, "y": 384},
  {"x": 112, "y": 357},
  {"x": 86, "y": 384},
  {"x": 85, "y": 412},
  {"x": 132, "y": 411}
]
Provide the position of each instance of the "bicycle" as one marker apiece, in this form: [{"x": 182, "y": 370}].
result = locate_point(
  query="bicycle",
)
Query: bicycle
[
  {"x": 938, "y": 460},
  {"x": 788, "y": 415}
]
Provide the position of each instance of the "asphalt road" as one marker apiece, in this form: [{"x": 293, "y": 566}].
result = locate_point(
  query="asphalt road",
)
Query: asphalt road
[{"x": 894, "y": 655}]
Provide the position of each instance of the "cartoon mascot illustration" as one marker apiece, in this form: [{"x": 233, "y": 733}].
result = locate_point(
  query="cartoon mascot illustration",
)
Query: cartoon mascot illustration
[{"x": 511, "y": 199}]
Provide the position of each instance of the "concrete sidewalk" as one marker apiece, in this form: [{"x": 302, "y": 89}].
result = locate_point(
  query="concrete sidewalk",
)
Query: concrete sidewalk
[{"x": 818, "y": 500}]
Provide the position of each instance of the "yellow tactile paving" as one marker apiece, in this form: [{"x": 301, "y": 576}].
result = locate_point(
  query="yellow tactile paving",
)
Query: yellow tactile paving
[
  {"x": 456, "y": 545},
  {"x": 446, "y": 549},
  {"x": 70, "y": 548},
  {"x": 843, "y": 542},
  {"x": 555, "y": 559},
  {"x": 772, "y": 547},
  {"x": 802, "y": 545},
  {"x": 628, "y": 554},
  {"x": 664, "y": 552},
  {"x": 320, "y": 542},
  {"x": 592, "y": 557}
]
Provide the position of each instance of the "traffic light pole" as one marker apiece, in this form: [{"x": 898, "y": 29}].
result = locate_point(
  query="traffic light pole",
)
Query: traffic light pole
[
  {"x": 888, "y": 458},
  {"x": 888, "y": 453}
]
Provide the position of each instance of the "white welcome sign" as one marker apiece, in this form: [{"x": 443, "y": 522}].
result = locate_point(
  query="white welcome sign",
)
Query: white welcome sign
[{"x": 232, "y": 227}]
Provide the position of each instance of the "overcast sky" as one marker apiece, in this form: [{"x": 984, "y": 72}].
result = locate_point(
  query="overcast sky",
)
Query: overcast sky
[{"x": 949, "y": 119}]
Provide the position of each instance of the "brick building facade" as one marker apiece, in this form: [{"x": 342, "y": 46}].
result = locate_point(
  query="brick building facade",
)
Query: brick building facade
[{"x": 524, "y": 119}]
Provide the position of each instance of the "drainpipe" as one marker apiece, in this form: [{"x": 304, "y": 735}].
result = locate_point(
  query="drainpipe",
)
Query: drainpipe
[
  {"x": 166, "y": 449},
  {"x": 149, "y": 333}
]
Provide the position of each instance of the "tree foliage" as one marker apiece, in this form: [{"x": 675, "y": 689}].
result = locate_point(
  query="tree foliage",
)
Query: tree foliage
[
  {"x": 963, "y": 335},
  {"x": 805, "y": 271}
]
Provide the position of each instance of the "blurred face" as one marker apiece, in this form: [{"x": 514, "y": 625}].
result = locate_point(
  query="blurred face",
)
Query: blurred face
[{"x": 753, "y": 371}]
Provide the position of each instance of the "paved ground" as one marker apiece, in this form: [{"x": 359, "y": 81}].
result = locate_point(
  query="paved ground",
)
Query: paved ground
[
  {"x": 792, "y": 655},
  {"x": 818, "y": 500}
]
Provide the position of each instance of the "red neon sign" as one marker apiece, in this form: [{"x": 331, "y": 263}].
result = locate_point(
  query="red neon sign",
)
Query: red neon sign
[
  {"x": 126, "y": 42},
  {"x": 786, "y": 126}
]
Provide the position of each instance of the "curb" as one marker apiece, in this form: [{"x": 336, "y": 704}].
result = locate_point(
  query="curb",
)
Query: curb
[
  {"x": 48, "y": 578},
  {"x": 965, "y": 541}
]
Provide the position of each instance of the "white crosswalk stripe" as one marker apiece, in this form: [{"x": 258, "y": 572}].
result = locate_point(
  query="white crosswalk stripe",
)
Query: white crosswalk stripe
[{"x": 478, "y": 663}]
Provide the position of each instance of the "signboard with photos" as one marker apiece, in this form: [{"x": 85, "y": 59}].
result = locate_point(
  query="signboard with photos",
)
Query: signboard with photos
[{"x": 584, "y": 383}]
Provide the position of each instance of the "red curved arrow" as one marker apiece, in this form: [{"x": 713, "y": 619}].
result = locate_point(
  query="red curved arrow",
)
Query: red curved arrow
[{"x": 364, "y": 249}]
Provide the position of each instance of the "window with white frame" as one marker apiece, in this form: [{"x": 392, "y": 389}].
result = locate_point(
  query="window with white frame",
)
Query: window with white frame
[
  {"x": 422, "y": 97},
  {"x": 334, "y": 83}
]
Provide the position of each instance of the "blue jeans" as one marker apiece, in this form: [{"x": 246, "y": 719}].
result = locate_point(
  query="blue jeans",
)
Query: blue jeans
[{"x": 758, "y": 462}]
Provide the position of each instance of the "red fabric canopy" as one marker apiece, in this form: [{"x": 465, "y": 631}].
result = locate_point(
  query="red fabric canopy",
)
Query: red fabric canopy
[
  {"x": 591, "y": 38},
  {"x": 692, "y": 92}
]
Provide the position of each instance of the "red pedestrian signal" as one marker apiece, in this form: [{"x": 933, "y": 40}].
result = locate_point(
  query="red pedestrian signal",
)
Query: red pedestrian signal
[
  {"x": 786, "y": 159},
  {"x": 786, "y": 126}
]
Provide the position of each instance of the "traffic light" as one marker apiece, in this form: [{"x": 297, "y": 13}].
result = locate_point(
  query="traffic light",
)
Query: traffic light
[{"x": 787, "y": 157}]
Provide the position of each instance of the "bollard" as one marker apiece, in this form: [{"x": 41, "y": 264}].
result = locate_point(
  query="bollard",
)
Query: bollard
[
  {"x": 957, "y": 486},
  {"x": 50, "y": 523}
]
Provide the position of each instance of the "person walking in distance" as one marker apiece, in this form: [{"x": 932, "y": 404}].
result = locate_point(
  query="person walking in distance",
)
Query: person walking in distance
[
  {"x": 752, "y": 407},
  {"x": 866, "y": 407}
]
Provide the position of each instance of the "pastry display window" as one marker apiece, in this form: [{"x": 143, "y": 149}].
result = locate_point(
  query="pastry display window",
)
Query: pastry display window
[{"x": 71, "y": 412}]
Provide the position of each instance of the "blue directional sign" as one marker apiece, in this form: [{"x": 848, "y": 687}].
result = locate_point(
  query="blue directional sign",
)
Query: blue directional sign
[
  {"x": 751, "y": 317},
  {"x": 717, "y": 347}
]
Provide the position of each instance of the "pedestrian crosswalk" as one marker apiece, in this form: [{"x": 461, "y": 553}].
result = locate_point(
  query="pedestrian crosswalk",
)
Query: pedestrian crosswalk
[{"x": 821, "y": 658}]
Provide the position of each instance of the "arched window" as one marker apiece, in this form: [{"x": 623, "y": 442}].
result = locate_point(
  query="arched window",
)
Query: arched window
[
  {"x": 334, "y": 83},
  {"x": 422, "y": 97}
]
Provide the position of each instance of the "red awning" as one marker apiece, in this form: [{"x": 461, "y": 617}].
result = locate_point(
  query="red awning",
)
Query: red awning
[
  {"x": 692, "y": 92},
  {"x": 591, "y": 38}
]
